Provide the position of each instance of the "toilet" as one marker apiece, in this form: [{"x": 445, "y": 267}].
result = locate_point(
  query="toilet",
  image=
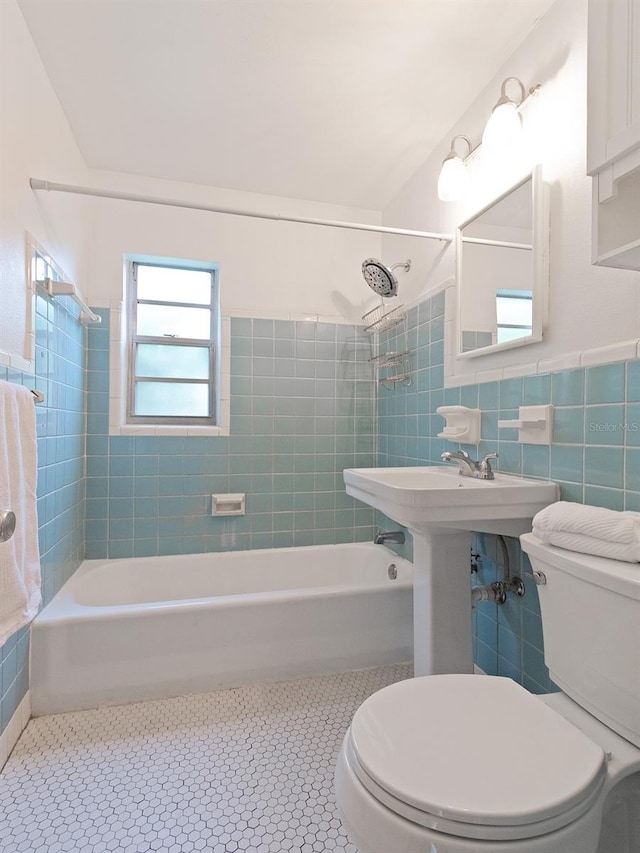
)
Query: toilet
[{"x": 477, "y": 764}]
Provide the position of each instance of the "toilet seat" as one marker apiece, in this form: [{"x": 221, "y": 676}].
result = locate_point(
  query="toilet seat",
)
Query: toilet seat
[{"x": 473, "y": 756}]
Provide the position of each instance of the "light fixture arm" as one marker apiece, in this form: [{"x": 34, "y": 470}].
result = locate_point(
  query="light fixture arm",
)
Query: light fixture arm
[
  {"x": 454, "y": 153},
  {"x": 504, "y": 99}
]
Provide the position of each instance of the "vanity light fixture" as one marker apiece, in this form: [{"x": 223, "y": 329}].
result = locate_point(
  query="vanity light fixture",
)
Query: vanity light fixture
[
  {"x": 454, "y": 177},
  {"x": 500, "y": 135},
  {"x": 504, "y": 128}
]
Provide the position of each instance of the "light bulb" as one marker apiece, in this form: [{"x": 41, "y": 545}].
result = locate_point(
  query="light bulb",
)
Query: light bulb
[
  {"x": 504, "y": 128},
  {"x": 453, "y": 179}
]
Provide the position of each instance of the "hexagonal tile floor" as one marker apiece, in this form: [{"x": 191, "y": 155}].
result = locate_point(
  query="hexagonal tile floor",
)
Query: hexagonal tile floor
[{"x": 248, "y": 769}]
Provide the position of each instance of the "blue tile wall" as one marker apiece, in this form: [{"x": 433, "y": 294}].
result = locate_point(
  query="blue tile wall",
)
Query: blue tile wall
[
  {"x": 59, "y": 373},
  {"x": 302, "y": 409},
  {"x": 594, "y": 456}
]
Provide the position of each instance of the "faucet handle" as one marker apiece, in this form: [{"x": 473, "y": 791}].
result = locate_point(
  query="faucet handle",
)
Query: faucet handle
[
  {"x": 485, "y": 465},
  {"x": 450, "y": 455}
]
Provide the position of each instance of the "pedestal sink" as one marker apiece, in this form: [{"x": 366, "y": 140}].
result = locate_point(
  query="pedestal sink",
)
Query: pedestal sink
[{"x": 441, "y": 508}]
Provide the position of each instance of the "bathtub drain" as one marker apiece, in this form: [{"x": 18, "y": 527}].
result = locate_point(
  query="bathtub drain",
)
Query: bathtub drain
[{"x": 392, "y": 572}]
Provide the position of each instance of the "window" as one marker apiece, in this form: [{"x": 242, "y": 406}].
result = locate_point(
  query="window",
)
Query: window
[
  {"x": 172, "y": 344},
  {"x": 514, "y": 313}
]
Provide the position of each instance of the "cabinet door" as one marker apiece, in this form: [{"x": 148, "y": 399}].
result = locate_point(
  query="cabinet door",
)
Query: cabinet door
[{"x": 613, "y": 80}]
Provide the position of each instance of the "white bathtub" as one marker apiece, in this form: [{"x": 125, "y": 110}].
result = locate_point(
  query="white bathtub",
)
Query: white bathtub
[{"x": 124, "y": 630}]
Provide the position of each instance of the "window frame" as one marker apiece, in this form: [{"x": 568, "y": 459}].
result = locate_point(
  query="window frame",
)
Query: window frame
[{"x": 134, "y": 339}]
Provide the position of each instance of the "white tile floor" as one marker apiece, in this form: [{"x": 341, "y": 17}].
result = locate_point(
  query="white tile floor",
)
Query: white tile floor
[{"x": 249, "y": 769}]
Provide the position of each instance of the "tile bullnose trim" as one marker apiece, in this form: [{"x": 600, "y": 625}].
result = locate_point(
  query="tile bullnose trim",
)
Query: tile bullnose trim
[
  {"x": 623, "y": 351},
  {"x": 167, "y": 430},
  {"x": 489, "y": 376},
  {"x": 334, "y": 319},
  {"x": 607, "y": 355},
  {"x": 14, "y": 728},
  {"x": 516, "y": 371},
  {"x": 16, "y": 362},
  {"x": 571, "y": 361}
]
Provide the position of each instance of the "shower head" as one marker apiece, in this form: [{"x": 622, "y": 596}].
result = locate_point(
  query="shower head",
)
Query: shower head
[{"x": 380, "y": 278}]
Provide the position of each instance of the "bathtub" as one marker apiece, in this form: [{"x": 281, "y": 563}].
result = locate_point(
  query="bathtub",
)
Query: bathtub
[{"x": 126, "y": 630}]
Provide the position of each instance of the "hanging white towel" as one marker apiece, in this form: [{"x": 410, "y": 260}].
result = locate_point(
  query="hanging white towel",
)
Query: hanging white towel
[
  {"x": 591, "y": 530},
  {"x": 20, "y": 595}
]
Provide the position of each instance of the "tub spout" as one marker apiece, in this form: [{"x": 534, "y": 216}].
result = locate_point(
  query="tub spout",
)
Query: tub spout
[{"x": 396, "y": 536}]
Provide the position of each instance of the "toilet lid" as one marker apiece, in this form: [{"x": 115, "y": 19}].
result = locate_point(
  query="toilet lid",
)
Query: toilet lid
[{"x": 474, "y": 749}]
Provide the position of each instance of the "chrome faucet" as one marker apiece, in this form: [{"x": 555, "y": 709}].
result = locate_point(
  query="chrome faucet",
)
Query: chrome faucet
[
  {"x": 468, "y": 467},
  {"x": 396, "y": 536}
]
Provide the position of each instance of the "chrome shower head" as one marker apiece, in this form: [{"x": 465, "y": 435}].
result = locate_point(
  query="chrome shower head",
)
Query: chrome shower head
[{"x": 380, "y": 278}]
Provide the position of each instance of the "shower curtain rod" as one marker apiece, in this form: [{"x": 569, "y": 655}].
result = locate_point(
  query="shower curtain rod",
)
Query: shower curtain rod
[{"x": 49, "y": 186}]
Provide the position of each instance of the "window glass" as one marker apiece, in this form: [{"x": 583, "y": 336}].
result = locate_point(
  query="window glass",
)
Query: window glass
[
  {"x": 170, "y": 321},
  {"x": 172, "y": 399},
  {"x": 172, "y": 361},
  {"x": 167, "y": 284},
  {"x": 506, "y": 333},
  {"x": 514, "y": 311}
]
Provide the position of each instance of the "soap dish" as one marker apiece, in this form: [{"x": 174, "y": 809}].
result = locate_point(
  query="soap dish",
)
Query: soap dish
[{"x": 462, "y": 424}]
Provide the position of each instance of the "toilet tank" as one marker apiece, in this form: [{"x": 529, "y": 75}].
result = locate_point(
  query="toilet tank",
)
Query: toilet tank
[{"x": 591, "y": 624}]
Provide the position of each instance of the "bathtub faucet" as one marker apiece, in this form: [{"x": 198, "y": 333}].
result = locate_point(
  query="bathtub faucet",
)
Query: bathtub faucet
[{"x": 396, "y": 536}]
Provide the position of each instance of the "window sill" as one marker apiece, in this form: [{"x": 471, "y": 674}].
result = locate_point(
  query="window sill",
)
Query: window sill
[{"x": 146, "y": 429}]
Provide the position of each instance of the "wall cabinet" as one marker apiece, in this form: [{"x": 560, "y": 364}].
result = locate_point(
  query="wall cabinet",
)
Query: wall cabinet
[{"x": 613, "y": 133}]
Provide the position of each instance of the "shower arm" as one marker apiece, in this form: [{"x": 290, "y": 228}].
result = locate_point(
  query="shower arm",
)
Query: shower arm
[{"x": 49, "y": 186}]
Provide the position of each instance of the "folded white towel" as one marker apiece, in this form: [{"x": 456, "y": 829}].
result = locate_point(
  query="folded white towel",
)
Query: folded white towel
[
  {"x": 19, "y": 556},
  {"x": 590, "y": 529}
]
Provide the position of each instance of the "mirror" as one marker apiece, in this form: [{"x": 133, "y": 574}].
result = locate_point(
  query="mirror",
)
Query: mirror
[{"x": 502, "y": 271}]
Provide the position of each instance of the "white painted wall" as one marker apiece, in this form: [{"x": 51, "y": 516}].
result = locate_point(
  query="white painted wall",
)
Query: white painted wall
[
  {"x": 36, "y": 141},
  {"x": 589, "y": 306},
  {"x": 267, "y": 268}
]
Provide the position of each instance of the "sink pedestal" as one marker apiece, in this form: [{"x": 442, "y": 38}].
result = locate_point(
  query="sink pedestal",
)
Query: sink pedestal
[
  {"x": 440, "y": 508},
  {"x": 442, "y": 602}
]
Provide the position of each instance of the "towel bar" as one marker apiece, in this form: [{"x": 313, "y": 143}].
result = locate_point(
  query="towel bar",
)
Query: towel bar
[{"x": 65, "y": 288}]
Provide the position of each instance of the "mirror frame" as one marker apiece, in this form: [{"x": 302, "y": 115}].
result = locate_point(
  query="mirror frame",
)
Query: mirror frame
[{"x": 540, "y": 253}]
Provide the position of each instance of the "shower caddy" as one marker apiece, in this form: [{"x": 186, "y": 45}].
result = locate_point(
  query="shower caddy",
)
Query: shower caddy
[{"x": 381, "y": 319}]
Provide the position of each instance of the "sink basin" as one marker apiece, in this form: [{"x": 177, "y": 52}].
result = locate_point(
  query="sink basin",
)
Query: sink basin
[
  {"x": 440, "y": 508},
  {"x": 431, "y": 498}
]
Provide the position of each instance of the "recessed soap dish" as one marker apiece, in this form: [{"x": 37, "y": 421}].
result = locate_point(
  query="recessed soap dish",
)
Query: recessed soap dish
[
  {"x": 228, "y": 504},
  {"x": 462, "y": 424}
]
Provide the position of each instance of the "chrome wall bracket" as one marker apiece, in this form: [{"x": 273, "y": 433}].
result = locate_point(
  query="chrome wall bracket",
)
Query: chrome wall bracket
[{"x": 7, "y": 524}]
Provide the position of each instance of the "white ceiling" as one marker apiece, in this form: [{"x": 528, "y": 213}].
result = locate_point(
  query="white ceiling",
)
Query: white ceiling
[{"x": 330, "y": 100}]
